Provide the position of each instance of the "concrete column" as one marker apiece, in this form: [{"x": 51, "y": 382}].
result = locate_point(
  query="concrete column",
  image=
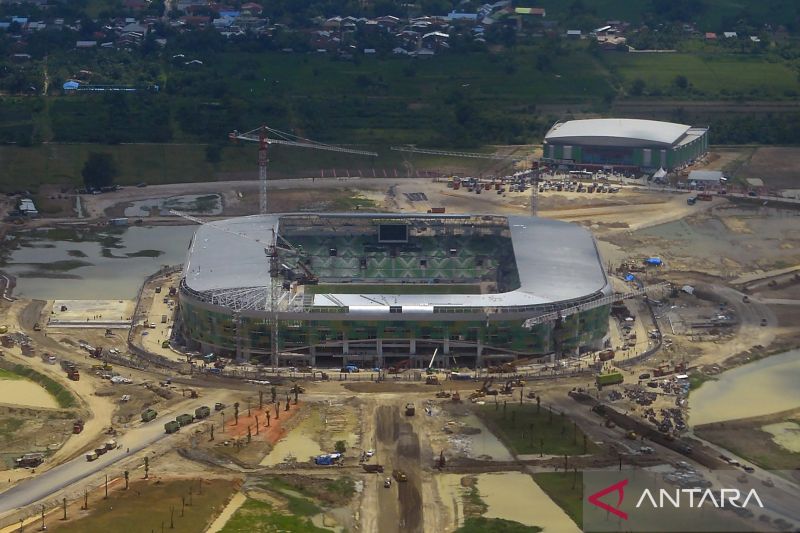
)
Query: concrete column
[
  {"x": 379, "y": 347},
  {"x": 479, "y": 354},
  {"x": 412, "y": 346},
  {"x": 312, "y": 361},
  {"x": 446, "y": 346},
  {"x": 345, "y": 344}
]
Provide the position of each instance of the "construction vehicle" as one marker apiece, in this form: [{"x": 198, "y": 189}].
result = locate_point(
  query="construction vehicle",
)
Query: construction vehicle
[
  {"x": 219, "y": 406},
  {"x": 704, "y": 196},
  {"x": 442, "y": 394},
  {"x": 400, "y": 367},
  {"x": 631, "y": 435},
  {"x": 110, "y": 444},
  {"x": 101, "y": 450},
  {"x": 73, "y": 374},
  {"x": 372, "y": 469},
  {"x": 456, "y": 398},
  {"x": 323, "y": 376},
  {"x": 432, "y": 380},
  {"x": 192, "y": 393},
  {"x": 172, "y": 426},
  {"x": 37, "y": 327},
  {"x": 507, "y": 388},
  {"x": 77, "y": 427},
  {"x": 149, "y": 414},
  {"x": 606, "y": 355},
  {"x": 202, "y": 412},
  {"x": 610, "y": 378},
  {"x": 91, "y": 456},
  {"x": 105, "y": 367},
  {"x": 185, "y": 419},
  {"x": 29, "y": 460},
  {"x": 410, "y": 409},
  {"x": 399, "y": 475}
]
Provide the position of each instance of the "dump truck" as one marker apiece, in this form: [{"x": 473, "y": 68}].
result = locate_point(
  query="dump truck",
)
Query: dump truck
[
  {"x": 372, "y": 469},
  {"x": 101, "y": 450},
  {"x": 606, "y": 355},
  {"x": 172, "y": 426},
  {"x": 111, "y": 444},
  {"x": 30, "y": 460},
  {"x": 77, "y": 427},
  {"x": 202, "y": 412},
  {"x": 185, "y": 419},
  {"x": 91, "y": 456},
  {"x": 410, "y": 409},
  {"x": 73, "y": 374},
  {"x": 431, "y": 380},
  {"x": 610, "y": 378},
  {"x": 399, "y": 475},
  {"x": 149, "y": 415}
]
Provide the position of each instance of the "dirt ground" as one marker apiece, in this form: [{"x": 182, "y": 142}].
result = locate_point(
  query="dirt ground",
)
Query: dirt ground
[
  {"x": 779, "y": 167},
  {"x": 746, "y": 438}
]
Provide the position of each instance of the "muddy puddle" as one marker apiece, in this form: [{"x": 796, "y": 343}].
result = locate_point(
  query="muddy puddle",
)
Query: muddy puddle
[
  {"x": 515, "y": 496},
  {"x": 759, "y": 388},
  {"x": 297, "y": 444},
  {"x": 785, "y": 434},
  {"x": 25, "y": 393},
  {"x": 472, "y": 438},
  {"x": 451, "y": 494},
  {"x": 208, "y": 204}
]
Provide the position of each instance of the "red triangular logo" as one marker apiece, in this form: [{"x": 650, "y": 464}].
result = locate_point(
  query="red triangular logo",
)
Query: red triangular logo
[{"x": 619, "y": 487}]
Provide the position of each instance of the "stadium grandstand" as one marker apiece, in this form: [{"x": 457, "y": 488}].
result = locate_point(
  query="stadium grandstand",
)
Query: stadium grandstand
[
  {"x": 385, "y": 289},
  {"x": 624, "y": 144}
]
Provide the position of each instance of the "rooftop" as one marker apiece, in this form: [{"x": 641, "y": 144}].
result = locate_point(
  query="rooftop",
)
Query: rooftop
[
  {"x": 614, "y": 130},
  {"x": 556, "y": 261}
]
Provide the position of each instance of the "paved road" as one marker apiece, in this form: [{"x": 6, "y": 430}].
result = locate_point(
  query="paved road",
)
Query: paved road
[{"x": 62, "y": 476}]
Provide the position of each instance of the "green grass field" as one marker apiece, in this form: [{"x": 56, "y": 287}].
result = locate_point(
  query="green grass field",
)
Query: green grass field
[
  {"x": 713, "y": 75},
  {"x": 256, "y": 515},
  {"x": 565, "y": 490},
  {"x": 146, "y": 506},
  {"x": 526, "y": 430},
  {"x": 6, "y": 374},
  {"x": 185, "y": 163}
]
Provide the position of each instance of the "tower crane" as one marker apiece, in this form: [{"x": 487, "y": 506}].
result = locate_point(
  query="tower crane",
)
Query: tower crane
[{"x": 265, "y": 136}]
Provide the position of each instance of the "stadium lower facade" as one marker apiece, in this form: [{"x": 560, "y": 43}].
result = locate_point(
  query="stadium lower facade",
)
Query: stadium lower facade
[
  {"x": 623, "y": 144},
  {"x": 378, "y": 289}
]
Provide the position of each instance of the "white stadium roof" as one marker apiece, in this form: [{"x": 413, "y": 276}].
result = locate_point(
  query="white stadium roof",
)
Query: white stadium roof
[
  {"x": 556, "y": 262},
  {"x": 617, "y": 131}
]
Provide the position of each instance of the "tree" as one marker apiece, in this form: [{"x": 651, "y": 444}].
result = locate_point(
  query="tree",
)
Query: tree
[
  {"x": 681, "y": 82},
  {"x": 340, "y": 446},
  {"x": 99, "y": 170}
]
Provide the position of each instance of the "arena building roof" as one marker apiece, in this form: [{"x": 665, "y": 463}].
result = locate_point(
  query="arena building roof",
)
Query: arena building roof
[
  {"x": 617, "y": 132},
  {"x": 556, "y": 262}
]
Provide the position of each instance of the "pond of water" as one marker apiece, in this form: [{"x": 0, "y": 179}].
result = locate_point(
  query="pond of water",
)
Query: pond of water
[
  {"x": 88, "y": 264},
  {"x": 25, "y": 393},
  {"x": 765, "y": 386}
]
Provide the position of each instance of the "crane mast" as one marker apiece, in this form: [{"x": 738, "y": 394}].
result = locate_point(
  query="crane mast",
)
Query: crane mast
[
  {"x": 261, "y": 135},
  {"x": 262, "y": 171}
]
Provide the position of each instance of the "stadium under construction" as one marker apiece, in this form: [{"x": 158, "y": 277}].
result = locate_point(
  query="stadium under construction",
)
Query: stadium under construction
[{"x": 389, "y": 289}]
